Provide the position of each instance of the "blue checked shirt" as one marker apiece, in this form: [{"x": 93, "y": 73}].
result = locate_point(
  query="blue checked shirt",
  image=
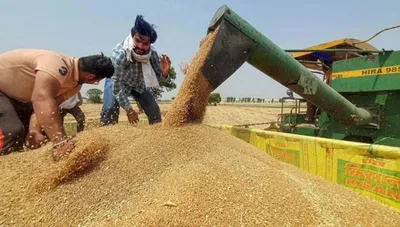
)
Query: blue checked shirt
[{"x": 128, "y": 75}]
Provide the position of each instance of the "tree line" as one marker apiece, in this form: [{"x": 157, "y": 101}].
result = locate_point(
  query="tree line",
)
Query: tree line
[{"x": 94, "y": 95}]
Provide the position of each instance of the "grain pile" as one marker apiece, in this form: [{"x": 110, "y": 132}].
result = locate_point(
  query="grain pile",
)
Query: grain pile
[
  {"x": 191, "y": 175},
  {"x": 191, "y": 101},
  {"x": 184, "y": 176}
]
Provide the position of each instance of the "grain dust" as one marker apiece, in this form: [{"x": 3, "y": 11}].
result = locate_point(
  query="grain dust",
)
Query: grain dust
[
  {"x": 86, "y": 156},
  {"x": 180, "y": 176},
  {"x": 191, "y": 101}
]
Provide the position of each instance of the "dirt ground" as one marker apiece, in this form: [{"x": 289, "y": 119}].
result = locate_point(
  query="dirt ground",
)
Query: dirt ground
[{"x": 227, "y": 114}]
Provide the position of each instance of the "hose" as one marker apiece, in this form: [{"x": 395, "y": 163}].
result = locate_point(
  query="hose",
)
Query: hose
[{"x": 386, "y": 29}]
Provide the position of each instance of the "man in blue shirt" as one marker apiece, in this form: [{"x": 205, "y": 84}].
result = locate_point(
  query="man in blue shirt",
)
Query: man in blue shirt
[{"x": 137, "y": 68}]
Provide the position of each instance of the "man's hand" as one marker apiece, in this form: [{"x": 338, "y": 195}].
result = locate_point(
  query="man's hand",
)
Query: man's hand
[
  {"x": 165, "y": 64},
  {"x": 63, "y": 149},
  {"x": 133, "y": 117},
  {"x": 34, "y": 140}
]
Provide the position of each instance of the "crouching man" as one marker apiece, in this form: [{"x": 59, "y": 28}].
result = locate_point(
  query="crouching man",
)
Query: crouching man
[
  {"x": 38, "y": 81},
  {"x": 71, "y": 106},
  {"x": 138, "y": 67}
]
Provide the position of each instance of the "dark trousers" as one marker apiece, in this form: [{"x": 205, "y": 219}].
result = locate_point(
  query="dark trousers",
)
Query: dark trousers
[
  {"x": 14, "y": 123},
  {"x": 110, "y": 110},
  {"x": 78, "y": 114},
  {"x": 149, "y": 105}
]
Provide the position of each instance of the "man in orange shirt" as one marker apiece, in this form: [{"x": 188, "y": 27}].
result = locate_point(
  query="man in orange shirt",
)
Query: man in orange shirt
[{"x": 39, "y": 81}]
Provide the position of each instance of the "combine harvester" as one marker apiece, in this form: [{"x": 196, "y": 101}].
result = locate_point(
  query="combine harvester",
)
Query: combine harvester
[{"x": 350, "y": 133}]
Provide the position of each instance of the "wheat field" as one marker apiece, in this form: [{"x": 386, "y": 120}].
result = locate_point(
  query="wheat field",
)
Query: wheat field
[{"x": 227, "y": 114}]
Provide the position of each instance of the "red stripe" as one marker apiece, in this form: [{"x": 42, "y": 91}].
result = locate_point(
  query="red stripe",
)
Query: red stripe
[{"x": 1, "y": 140}]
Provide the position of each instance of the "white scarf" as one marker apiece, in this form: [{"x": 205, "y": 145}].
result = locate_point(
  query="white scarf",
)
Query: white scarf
[{"x": 149, "y": 75}]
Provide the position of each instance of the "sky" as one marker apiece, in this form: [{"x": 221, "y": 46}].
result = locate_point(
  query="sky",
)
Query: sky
[{"x": 86, "y": 27}]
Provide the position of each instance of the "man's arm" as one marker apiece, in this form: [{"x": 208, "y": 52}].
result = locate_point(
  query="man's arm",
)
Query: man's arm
[
  {"x": 45, "y": 106},
  {"x": 34, "y": 124}
]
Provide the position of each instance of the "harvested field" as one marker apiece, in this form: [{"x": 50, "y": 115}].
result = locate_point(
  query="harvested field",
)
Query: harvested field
[
  {"x": 188, "y": 176},
  {"x": 231, "y": 114}
]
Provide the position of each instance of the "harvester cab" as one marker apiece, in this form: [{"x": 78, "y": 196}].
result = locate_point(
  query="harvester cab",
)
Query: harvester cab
[{"x": 354, "y": 99}]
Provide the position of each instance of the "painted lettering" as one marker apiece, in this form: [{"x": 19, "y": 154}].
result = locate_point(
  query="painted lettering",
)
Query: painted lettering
[
  {"x": 364, "y": 72},
  {"x": 368, "y": 72},
  {"x": 282, "y": 155},
  {"x": 371, "y": 180},
  {"x": 373, "y": 162},
  {"x": 392, "y": 194},
  {"x": 393, "y": 181},
  {"x": 380, "y": 190},
  {"x": 281, "y": 143}
]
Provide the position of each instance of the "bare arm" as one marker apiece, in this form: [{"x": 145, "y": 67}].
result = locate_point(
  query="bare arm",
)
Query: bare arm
[
  {"x": 46, "y": 107},
  {"x": 34, "y": 124}
]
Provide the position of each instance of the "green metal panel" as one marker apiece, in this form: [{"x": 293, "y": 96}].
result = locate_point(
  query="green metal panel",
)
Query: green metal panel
[
  {"x": 294, "y": 118},
  {"x": 388, "y": 132},
  {"x": 369, "y": 83},
  {"x": 360, "y": 63},
  {"x": 381, "y": 98},
  {"x": 388, "y": 141},
  {"x": 391, "y": 119},
  {"x": 304, "y": 131},
  {"x": 330, "y": 128},
  {"x": 375, "y": 73}
]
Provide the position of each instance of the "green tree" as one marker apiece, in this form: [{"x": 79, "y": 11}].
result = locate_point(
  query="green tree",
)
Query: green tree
[
  {"x": 167, "y": 84},
  {"x": 214, "y": 98},
  {"x": 94, "y": 95}
]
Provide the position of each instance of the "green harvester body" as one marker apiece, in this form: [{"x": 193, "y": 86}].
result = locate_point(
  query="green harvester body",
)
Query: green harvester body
[{"x": 359, "y": 104}]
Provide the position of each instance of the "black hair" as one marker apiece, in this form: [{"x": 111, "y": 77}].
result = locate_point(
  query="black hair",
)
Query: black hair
[
  {"x": 99, "y": 65},
  {"x": 144, "y": 28}
]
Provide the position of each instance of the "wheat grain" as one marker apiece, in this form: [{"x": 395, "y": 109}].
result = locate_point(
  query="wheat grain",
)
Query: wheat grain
[{"x": 211, "y": 177}]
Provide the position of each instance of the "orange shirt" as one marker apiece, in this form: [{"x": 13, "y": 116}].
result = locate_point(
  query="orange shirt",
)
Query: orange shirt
[{"x": 18, "y": 72}]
